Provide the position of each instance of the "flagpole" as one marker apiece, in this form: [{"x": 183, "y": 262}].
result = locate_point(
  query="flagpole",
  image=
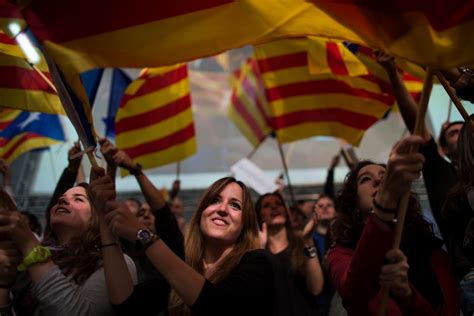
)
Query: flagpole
[
  {"x": 178, "y": 169},
  {"x": 450, "y": 106},
  {"x": 285, "y": 168},
  {"x": 452, "y": 95},
  {"x": 69, "y": 108},
  {"x": 402, "y": 208},
  {"x": 255, "y": 148},
  {"x": 42, "y": 75}
]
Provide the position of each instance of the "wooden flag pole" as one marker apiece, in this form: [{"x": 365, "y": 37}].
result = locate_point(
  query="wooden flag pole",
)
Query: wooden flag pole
[
  {"x": 402, "y": 207},
  {"x": 69, "y": 109},
  {"x": 452, "y": 95},
  {"x": 285, "y": 168},
  {"x": 254, "y": 150},
  {"x": 450, "y": 106},
  {"x": 42, "y": 75}
]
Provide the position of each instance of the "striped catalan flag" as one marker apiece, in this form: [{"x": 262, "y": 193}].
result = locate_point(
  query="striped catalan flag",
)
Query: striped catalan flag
[
  {"x": 304, "y": 105},
  {"x": 412, "y": 74},
  {"x": 22, "y": 131},
  {"x": 154, "y": 124},
  {"x": 159, "y": 33},
  {"x": 8, "y": 46},
  {"x": 248, "y": 107},
  {"x": 337, "y": 59},
  {"x": 436, "y": 33},
  {"x": 22, "y": 87}
]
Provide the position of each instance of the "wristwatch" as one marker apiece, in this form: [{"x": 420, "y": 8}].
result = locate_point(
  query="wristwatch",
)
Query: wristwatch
[
  {"x": 36, "y": 255},
  {"x": 146, "y": 238}
]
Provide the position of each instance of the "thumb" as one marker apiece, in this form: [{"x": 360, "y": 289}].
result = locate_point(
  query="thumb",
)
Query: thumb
[{"x": 96, "y": 172}]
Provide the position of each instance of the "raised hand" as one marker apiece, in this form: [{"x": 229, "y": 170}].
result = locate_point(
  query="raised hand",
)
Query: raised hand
[
  {"x": 403, "y": 167},
  {"x": 108, "y": 150},
  {"x": 74, "y": 157},
  {"x": 123, "y": 160},
  {"x": 10, "y": 257},
  {"x": 121, "y": 221},
  {"x": 394, "y": 276},
  {"x": 14, "y": 226},
  {"x": 102, "y": 189},
  {"x": 387, "y": 61}
]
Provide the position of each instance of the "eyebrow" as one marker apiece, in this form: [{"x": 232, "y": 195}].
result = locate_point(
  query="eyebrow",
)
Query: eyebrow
[
  {"x": 235, "y": 199},
  {"x": 368, "y": 173}
]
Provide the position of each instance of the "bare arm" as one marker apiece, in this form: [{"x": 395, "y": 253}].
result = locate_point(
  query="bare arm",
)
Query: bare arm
[
  {"x": 407, "y": 105},
  {"x": 152, "y": 195},
  {"x": 313, "y": 270},
  {"x": 183, "y": 279}
]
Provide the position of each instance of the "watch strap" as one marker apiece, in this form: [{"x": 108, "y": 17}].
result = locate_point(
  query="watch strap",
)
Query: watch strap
[{"x": 38, "y": 254}]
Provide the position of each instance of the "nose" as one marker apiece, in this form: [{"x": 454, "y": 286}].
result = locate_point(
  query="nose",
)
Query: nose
[{"x": 63, "y": 200}]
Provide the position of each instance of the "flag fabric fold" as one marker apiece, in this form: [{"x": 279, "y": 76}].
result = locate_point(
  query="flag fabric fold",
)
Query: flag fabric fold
[
  {"x": 304, "y": 105},
  {"x": 434, "y": 33},
  {"x": 248, "y": 107},
  {"x": 154, "y": 124}
]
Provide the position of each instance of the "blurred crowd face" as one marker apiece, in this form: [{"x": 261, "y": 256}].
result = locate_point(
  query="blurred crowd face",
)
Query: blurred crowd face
[
  {"x": 133, "y": 206},
  {"x": 451, "y": 136},
  {"x": 273, "y": 210},
  {"x": 325, "y": 209},
  {"x": 145, "y": 215},
  {"x": 177, "y": 207}
]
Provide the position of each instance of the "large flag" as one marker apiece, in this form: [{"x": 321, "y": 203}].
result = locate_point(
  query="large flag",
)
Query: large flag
[
  {"x": 304, "y": 105},
  {"x": 159, "y": 33},
  {"x": 23, "y": 87},
  {"x": 22, "y": 131},
  {"x": 248, "y": 107},
  {"x": 439, "y": 33},
  {"x": 154, "y": 123},
  {"x": 120, "y": 82}
]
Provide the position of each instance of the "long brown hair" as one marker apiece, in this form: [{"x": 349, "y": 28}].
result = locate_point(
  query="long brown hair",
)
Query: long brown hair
[
  {"x": 418, "y": 240},
  {"x": 465, "y": 161},
  {"x": 295, "y": 243},
  {"x": 81, "y": 256},
  {"x": 195, "y": 242}
]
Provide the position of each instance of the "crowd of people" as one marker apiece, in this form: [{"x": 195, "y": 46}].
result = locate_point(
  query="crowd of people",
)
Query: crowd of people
[{"x": 99, "y": 255}]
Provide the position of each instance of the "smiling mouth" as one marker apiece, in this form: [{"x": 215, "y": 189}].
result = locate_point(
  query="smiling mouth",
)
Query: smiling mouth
[
  {"x": 219, "y": 222},
  {"x": 62, "y": 210}
]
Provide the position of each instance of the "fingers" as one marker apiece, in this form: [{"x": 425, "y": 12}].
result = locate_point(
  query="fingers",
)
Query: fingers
[
  {"x": 408, "y": 143},
  {"x": 6, "y": 201},
  {"x": 308, "y": 228},
  {"x": 96, "y": 172}
]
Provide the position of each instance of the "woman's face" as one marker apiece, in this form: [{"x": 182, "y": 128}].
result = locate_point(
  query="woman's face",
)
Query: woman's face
[
  {"x": 221, "y": 221},
  {"x": 324, "y": 209},
  {"x": 368, "y": 182},
  {"x": 73, "y": 210},
  {"x": 273, "y": 211}
]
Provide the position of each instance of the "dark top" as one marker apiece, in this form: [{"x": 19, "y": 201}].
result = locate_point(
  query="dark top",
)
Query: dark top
[
  {"x": 355, "y": 275},
  {"x": 439, "y": 176},
  {"x": 150, "y": 296},
  {"x": 459, "y": 218},
  {"x": 248, "y": 290},
  {"x": 292, "y": 292}
]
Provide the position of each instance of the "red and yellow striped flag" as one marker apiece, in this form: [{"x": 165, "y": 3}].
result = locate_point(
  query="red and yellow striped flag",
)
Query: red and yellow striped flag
[
  {"x": 22, "y": 87},
  {"x": 333, "y": 57},
  {"x": 159, "y": 33},
  {"x": 248, "y": 107},
  {"x": 154, "y": 123},
  {"x": 436, "y": 33},
  {"x": 304, "y": 105}
]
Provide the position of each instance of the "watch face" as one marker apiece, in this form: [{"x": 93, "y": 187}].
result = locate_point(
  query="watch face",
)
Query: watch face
[{"x": 143, "y": 236}]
